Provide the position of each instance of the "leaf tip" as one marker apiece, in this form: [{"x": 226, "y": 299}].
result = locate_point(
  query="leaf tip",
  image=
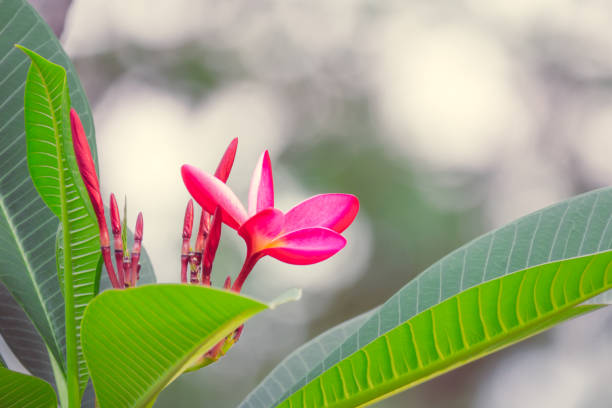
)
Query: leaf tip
[{"x": 290, "y": 295}]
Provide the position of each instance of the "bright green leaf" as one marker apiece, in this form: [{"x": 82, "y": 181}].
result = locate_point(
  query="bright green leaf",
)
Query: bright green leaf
[
  {"x": 27, "y": 226},
  {"x": 139, "y": 340},
  {"x": 301, "y": 361},
  {"x": 577, "y": 227},
  {"x": 47, "y": 127},
  {"x": 467, "y": 326},
  {"x": 24, "y": 391}
]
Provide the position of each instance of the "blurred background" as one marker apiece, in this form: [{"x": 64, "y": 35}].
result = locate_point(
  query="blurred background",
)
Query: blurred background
[{"x": 446, "y": 119}]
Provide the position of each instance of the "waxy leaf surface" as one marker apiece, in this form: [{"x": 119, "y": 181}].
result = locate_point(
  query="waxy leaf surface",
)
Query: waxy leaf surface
[
  {"x": 47, "y": 107},
  {"x": 27, "y": 226},
  {"x": 24, "y": 391},
  {"x": 137, "y": 341}
]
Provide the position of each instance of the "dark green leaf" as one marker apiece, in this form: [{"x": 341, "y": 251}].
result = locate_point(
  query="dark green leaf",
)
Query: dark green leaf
[{"x": 27, "y": 226}]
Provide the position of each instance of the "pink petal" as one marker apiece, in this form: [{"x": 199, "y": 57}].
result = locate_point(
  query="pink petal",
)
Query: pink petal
[
  {"x": 227, "y": 161},
  {"x": 261, "y": 229},
  {"x": 306, "y": 246},
  {"x": 211, "y": 192},
  {"x": 261, "y": 193},
  {"x": 334, "y": 211}
]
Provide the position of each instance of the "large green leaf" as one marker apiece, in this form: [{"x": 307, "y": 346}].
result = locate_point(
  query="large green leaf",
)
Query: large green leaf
[
  {"x": 27, "y": 226},
  {"x": 52, "y": 170},
  {"x": 137, "y": 341},
  {"x": 24, "y": 391},
  {"x": 577, "y": 227},
  {"x": 301, "y": 361},
  {"x": 472, "y": 324}
]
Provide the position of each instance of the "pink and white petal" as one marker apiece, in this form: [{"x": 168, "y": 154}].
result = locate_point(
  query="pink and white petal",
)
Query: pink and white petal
[
  {"x": 306, "y": 246},
  {"x": 261, "y": 192},
  {"x": 334, "y": 211},
  {"x": 211, "y": 192},
  {"x": 227, "y": 161},
  {"x": 261, "y": 229}
]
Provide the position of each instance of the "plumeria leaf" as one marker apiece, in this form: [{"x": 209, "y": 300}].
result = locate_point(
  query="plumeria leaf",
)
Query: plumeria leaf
[
  {"x": 27, "y": 226},
  {"x": 300, "y": 362},
  {"x": 47, "y": 107},
  {"x": 147, "y": 273},
  {"x": 499, "y": 284},
  {"x": 26, "y": 344},
  {"x": 290, "y": 295},
  {"x": 24, "y": 391},
  {"x": 139, "y": 340},
  {"x": 462, "y": 328},
  {"x": 261, "y": 192}
]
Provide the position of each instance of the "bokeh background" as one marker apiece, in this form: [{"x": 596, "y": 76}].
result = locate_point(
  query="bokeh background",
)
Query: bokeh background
[{"x": 446, "y": 119}]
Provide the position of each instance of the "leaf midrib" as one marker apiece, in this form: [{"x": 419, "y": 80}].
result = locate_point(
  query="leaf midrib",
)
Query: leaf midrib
[
  {"x": 193, "y": 354},
  {"x": 490, "y": 345}
]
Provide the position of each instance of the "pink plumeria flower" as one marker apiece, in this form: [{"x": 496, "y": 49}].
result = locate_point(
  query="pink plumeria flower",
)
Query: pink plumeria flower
[{"x": 308, "y": 233}]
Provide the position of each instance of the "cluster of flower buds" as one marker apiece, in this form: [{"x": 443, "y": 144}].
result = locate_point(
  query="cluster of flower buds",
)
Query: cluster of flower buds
[
  {"x": 196, "y": 263},
  {"x": 128, "y": 267}
]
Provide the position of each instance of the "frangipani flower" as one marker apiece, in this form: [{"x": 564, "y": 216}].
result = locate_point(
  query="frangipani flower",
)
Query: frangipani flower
[{"x": 306, "y": 234}]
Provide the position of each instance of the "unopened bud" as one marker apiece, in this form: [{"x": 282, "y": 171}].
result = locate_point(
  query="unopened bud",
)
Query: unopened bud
[{"x": 188, "y": 221}]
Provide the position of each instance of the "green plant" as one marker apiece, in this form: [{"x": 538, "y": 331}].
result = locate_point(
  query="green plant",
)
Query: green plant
[{"x": 497, "y": 290}]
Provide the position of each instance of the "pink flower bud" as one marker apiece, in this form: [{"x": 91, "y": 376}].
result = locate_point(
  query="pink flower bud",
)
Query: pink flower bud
[
  {"x": 87, "y": 169},
  {"x": 188, "y": 221}
]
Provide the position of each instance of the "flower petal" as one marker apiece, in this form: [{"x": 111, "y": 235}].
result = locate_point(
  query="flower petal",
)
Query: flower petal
[
  {"x": 306, "y": 246},
  {"x": 261, "y": 193},
  {"x": 334, "y": 211},
  {"x": 261, "y": 229},
  {"x": 227, "y": 161},
  {"x": 211, "y": 192}
]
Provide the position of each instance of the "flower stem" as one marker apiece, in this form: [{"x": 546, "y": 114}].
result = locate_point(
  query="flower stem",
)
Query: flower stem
[{"x": 247, "y": 267}]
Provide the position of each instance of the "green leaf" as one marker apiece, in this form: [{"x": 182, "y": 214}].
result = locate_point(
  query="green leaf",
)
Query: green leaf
[
  {"x": 139, "y": 340},
  {"x": 48, "y": 139},
  {"x": 27, "y": 226},
  {"x": 25, "y": 342},
  {"x": 24, "y": 391},
  {"x": 299, "y": 362},
  {"x": 579, "y": 226},
  {"x": 467, "y": 326},
  {"x": 147, "y": 274}
]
